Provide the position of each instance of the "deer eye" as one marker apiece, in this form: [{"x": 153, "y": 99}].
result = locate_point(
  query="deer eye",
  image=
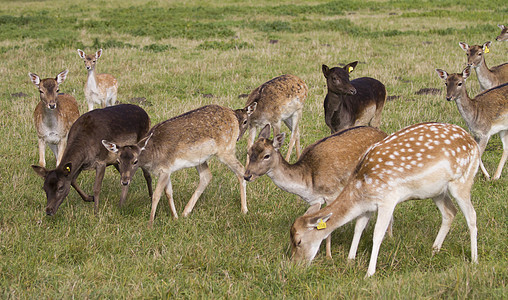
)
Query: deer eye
[
  {"x": 267, "y": 156},
  {"x": 58, "y": 90},
  {"x": 459, "y": 84},
  {"x": 245, "y": 122},
  {"x": 135, "y": 162}
]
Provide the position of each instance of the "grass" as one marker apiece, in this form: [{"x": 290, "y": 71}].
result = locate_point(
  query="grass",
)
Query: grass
[{"x": 180, "y": 57}]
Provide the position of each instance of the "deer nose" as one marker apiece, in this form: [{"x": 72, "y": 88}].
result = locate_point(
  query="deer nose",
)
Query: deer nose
[
  {"x": 352, "y": 91},
  {"x": 49, "y": 211},
  {"x": 247, "y": 177},
  {"x": 52, "y": 106},
  {"x": 449, "y": 98},
  {"x": 125, "y": 182}
]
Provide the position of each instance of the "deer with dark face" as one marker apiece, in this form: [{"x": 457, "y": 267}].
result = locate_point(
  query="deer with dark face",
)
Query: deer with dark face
[
  {"x": 125, "y": 123},
  {"x": 185, "y": 141},
  {"x": 428, "y": 160},
  {"x": 53, "y": 116},
  {"x": 352, "y": 103},
  {"x": 487, "y": 77},
  {"x": 322, "y": 171},
  {"x": 503, "y": 36},
  {"x": 485, "y": 115}
]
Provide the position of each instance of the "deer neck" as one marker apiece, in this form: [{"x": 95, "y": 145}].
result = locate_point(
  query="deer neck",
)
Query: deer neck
[
  {"x": 92, "y": 80},
  {"x": 484, "y": 74},
  {"x": 291, "y": 178},
  {"x": 467, "y": 109}
]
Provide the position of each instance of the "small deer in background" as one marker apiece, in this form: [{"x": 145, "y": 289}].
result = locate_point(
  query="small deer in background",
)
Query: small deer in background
[
  {"x": 278, "y": 100},
  {"x": 322, "y": 171},
  {"x": 53, "y": 116},
  {"x": 485, "y": 115},
  {"x": 352, "y": 103},
  {"x": 125, "y": 123},
  {"x": 100, "y": 89},
  {"x": 185, "y": 141},
  {"x": 429, "y": 160},
  {"x": 503, "y": 36},
  {"x": 487, "y": 77}
]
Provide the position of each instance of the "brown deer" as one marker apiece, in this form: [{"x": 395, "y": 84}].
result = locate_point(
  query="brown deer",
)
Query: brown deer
[
  {"x": 485, "y": 115},
  {"x": 185, "y": 141},
  {"x": 53, "y": 116},
  {"x": 278, "y": 100},
  {"x": 124, "y": 123},
  {"x": 322, "y": 171},
  {"x": 100, "y": 89},
  {"x": 429, "y": 160},
  {"x": 352, "y": 103},
  {"x": 487, "y": 77},
  {"x": 503, "y": 36}
]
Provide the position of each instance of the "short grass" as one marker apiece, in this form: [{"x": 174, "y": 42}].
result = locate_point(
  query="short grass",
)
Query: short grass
[{"x": 182, "y": 55}]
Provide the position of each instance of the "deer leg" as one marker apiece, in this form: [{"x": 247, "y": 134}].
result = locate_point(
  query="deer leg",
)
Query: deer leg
[
  {"x": 482, "y": 143},
  {"x": 54, "y": 150},
  {"x": 148, "y": 179},
  {"x": 163, "y": 181},
  {"x": 82, "y": 194},
  {"x": 504, "y": 138},
  {"x": 42, "y": 153},
  {"x": 250, "y": 141},
  {"x": 361, "y": 223},
  {"x": 205, "y": 176},
  {"x": 235, "y": 166},
  {"x": 90, "y": 105},
  {"x": 100, "y": 170},
  {"x": 448, "y": 212},
  {"x": 169, "y": 193},
  {"x": 384, "y": 215},
  {"x": 295, "y": 134},
  {"x": 60, "y": 150}
]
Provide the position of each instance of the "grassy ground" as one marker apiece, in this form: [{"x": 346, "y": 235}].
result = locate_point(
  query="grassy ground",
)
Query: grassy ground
[{"x": 182, "y": 55}]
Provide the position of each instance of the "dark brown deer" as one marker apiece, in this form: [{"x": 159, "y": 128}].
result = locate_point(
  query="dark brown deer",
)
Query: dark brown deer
[
  {"x": 185, "y": 141},
  {"x": 485, "y": 115},
  {"x": 53, "y": 116},
  {"x": 278, "y": 100},
  {"x": 352, "y": 103},
  {"x": 322, "y": 171},
  {"x": 503, "y": 36},
  {"x": 429, "y": 160},
  {"x": 487, "y": 77},
  {"x": 125, "y": 123}
]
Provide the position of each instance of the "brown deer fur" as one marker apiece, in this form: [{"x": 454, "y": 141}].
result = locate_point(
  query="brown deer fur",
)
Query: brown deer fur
[{"x": 53, "y": 115}]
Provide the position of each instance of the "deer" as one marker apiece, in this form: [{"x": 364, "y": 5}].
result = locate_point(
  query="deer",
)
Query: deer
[
  {"x": 352, "y": 103},
  {"x": 485, "y": 115},
  {"x": 125, "y": 123},
  {"x": 53, "y": 116},
  {"x": 278, "y": 100},
  {"x": 427, "y": 160},
  {"x": 322, "y": 171},
  {"x": 487, "y": 77},
  {"x": 184, "y": 141},
  {"x": 100, "y": 89},
  {"x": 503, "y": 36}
]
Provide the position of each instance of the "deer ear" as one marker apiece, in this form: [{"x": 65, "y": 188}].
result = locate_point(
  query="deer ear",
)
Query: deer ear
[
  {"x": 501, "y": 26},
  {"x": 351, "y": 66},
  {"x": 464, "y": 46},
  {"x": 110, "y": 146},
  {"x": 442, "y": 74},
  {"x": 278, "y": 141},
  {"x": 41, "y": 171},
  {"x": 61, "y": 76},
  {"x": 265, "y": 132},
  {"x": 251, "y": 108},
  {"x": 98, "y": 53},
  {"x": 466, "y": 72},
  {"x": 313, "y": 209},
  {"x": 67, "y": 169},
  {"x": 486, "y": 47},
  {"x": 34, "y": 78},
  {"x": 326, "y": 70},
  {"x": 319, "y": 221},
  {"x": 81, "y": 53}
]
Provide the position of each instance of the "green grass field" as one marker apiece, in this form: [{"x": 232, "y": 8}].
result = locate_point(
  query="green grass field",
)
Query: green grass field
[{"x": 180, "y": 55}]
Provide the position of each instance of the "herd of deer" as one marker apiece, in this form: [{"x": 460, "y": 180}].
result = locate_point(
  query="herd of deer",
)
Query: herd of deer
[{"x": 356, "y": 171}]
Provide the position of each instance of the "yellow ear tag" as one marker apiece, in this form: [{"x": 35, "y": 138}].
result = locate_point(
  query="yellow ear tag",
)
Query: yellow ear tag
[
  {"x": 67, "y": 169},
  {"x": 350, "y": 69},
  {"x": 321, "y": 224},
  {"x": 486, "y": 49}
]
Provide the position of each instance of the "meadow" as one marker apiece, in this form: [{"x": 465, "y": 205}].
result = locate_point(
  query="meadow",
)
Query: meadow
[{"x": 173, "y": 56}]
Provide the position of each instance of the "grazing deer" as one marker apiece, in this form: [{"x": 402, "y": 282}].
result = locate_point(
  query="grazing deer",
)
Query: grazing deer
[
  {"x": 124, "y": 123},
  {"x": 487, "y": 77},
  {"x": 429, "y": 160},
  {"x": 485, "y": 115},
  {"x": 185, "y": 141},
  {"x": 322, "y": 171},
  {"x": 280, "y": 99},
  {"x": 53, "y": 116},
  {"x": 503, "y": 36},
  {"x": 100, "y": 89}
]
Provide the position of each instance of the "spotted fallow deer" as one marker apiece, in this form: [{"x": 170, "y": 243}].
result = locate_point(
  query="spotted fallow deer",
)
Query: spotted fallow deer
[
  {"x": 485, "y": 115},
  {"x": 278, "y": 100},
  {"x": 125, "y": 123},
  {"x": 100, "y": 89},
  {"x": 503, "y": 36},
  {"x": 352, "y": 103},
  {"x": 185, "y": 141},
  {"x": 487, "y": 77},
  {"x": 53, "y": 116},
  {"x": 322, "y": 171},
  {"x": 428, "y": 160}
]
